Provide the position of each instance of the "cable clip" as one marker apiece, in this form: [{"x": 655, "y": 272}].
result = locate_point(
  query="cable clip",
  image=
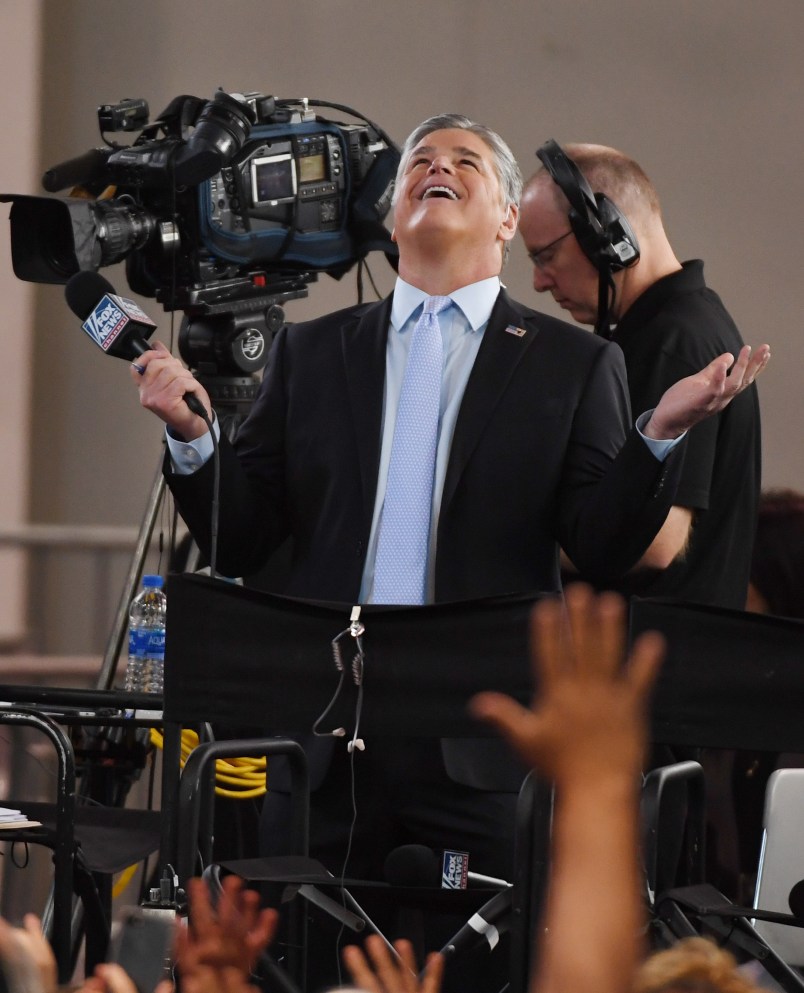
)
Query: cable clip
[{"x": 356, "y": 628}]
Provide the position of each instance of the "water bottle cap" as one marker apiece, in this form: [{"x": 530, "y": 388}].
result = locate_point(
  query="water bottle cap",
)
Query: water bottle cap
[{"x": 153, "y": 581}]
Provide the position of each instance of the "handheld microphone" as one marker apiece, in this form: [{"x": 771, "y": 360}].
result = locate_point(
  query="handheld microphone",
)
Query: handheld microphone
[{"x": 117, "y": 325}]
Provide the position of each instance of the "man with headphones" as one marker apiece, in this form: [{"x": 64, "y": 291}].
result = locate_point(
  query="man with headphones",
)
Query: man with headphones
[{"x": 592, "y": 226}]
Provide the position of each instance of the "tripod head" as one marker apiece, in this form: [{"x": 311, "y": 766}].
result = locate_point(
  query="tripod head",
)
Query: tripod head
[{"x": 226, "y": 342}]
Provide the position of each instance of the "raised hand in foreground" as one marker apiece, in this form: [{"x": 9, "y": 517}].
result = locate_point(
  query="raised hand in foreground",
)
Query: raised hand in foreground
[
  {"x": 217, "y": 952},
  {"x": 378, "y": 971},
  {"x": 587, "y": 718},
  {"x": 586, "y": 731}
]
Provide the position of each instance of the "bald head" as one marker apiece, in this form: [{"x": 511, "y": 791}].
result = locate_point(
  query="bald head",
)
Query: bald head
[
  {"x": 560, "y": 265},
  {"x": 613, "y": 173}
]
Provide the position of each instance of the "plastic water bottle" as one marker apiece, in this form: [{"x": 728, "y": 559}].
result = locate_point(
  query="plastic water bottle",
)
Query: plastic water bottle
[{"x": 146, "y": 638}]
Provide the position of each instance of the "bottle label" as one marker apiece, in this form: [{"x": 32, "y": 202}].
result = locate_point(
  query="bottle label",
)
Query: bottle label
[
  {"x": 137, "y": 641},
  {"x": 147, "y": 644},
  {"x": 155, "y": 643}
]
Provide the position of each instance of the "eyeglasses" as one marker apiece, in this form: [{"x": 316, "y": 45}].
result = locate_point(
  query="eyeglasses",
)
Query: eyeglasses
[{"x": 537, "y": 257}]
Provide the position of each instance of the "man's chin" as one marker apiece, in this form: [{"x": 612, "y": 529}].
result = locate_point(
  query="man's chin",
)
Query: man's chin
[{"x": 581, "y": 315}]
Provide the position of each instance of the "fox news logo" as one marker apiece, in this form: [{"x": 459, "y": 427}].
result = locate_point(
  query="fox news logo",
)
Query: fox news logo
[
  {"x": 454, "y": 870},
  {"x": 105, "y": 322},
  {"x": 110, "y": 316}
]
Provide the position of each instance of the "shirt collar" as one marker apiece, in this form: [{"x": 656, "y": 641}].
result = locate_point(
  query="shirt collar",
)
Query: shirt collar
[
  {"x": 475, "y": 301},
  {"x": 688, "y": 279}
]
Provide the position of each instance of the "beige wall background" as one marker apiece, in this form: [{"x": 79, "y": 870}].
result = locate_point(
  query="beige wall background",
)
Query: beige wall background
[{"x": 706, "y": 94}]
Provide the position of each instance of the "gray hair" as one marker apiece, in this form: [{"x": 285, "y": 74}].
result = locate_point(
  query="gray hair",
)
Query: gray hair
[{"x": 508, "y": 173}]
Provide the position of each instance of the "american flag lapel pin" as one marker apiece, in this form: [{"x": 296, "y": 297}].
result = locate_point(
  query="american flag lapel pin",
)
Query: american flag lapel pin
[{"x": 513, "y": 329}]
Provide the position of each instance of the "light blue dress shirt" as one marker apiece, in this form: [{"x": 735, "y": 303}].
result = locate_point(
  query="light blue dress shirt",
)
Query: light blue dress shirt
[{"x": 462, "y": 326}]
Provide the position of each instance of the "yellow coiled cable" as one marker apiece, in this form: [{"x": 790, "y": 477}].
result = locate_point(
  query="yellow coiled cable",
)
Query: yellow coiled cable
[{"x": 244, "y": 777}]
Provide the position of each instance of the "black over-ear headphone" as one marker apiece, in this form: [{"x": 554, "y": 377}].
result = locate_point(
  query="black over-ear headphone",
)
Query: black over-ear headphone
[{"x": 602, "y": 230}]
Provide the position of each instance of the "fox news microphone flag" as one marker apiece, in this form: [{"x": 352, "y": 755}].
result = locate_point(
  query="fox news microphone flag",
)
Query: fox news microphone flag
[{"x": 116, "y": 324}]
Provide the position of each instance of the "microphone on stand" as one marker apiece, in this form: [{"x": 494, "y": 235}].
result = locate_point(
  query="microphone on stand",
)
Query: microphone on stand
[{"x": 418, "y": 865}]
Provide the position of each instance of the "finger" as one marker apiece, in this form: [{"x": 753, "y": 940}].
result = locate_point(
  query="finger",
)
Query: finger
[
  {"x": 407, "y": 967},
  {"x": 92, "y": 984},
  {"x": 647, "y": 655},
  {"x": 358, "y": 968},
  {"x": 550, "y": 648},
  {"x": 759, "y": 360},
  {"x": 32, "y": 924},
  {"x": 181, "y": 943},
  {"x": 505, "y": 713},
  {"x": 520, "y": 727},
  {"x": 386, "y": 966},
  {"x": 607, "y": 658},
  {"x": 433, "y": 973},
  {"x": 718, "y": 371},
  {"x": 231, "y": 903},
  {"x": 42, "y": 952},
  {"x": 264, "y": 929},
  {"x": 174, "y": 381},
  {"x": 115, "y": 977},
  {"x": 738, "y": 369},
  {"x": 202, "y": 915},
  {"x": 581, "y": 607},
  {"x": 137, "y": 371},
  {"x": 156, "y": 350}
]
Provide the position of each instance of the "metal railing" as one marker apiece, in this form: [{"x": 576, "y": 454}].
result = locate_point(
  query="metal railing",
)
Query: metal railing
[{"x": 98, "y": 555}]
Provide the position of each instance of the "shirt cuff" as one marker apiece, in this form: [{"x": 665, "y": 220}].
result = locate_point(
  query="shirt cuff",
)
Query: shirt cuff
[
  {"x": 660, "y": 448},
  {"x": 187, "y": 457}
]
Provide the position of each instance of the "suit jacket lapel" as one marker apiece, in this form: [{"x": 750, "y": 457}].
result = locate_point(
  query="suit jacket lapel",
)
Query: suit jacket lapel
[
  {"x": 509, "y": 334},
  {"x": 363, "y": 343}
]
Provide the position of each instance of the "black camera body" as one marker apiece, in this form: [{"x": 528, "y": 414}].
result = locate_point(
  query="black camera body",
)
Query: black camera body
[{"x": 216, "y": 204}]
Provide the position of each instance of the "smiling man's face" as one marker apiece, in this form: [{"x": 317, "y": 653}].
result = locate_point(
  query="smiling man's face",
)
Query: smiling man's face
[{"x": 450, "y": 197}]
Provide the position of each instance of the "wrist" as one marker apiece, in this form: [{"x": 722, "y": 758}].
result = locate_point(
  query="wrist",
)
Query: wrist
[
  {"x": 597, "y": 787},
  {"x": 657, "y": 431}
]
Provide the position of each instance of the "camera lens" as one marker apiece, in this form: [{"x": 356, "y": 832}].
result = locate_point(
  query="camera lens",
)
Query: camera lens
[
  {"x": 120, "y": 229},
  {"x": 57, "y": 249}
]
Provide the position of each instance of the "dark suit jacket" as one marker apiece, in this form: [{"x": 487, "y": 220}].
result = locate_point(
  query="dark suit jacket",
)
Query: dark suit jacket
[{"x": 542, "y": 455}]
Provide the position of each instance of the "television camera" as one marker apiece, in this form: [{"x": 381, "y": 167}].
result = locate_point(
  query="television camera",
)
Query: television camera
[{"x": 223, "y": 209}]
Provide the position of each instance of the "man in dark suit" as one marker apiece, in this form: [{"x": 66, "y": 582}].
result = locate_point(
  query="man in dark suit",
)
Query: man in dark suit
[{"x": 534, "y": 449}]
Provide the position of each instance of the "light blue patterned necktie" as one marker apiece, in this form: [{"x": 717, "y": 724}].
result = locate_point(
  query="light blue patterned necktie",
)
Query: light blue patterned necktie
[{"x": 400, "y": 568}]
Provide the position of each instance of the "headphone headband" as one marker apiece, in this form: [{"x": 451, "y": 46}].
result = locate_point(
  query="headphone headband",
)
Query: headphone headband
[{"x": 602, "y": 230}]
